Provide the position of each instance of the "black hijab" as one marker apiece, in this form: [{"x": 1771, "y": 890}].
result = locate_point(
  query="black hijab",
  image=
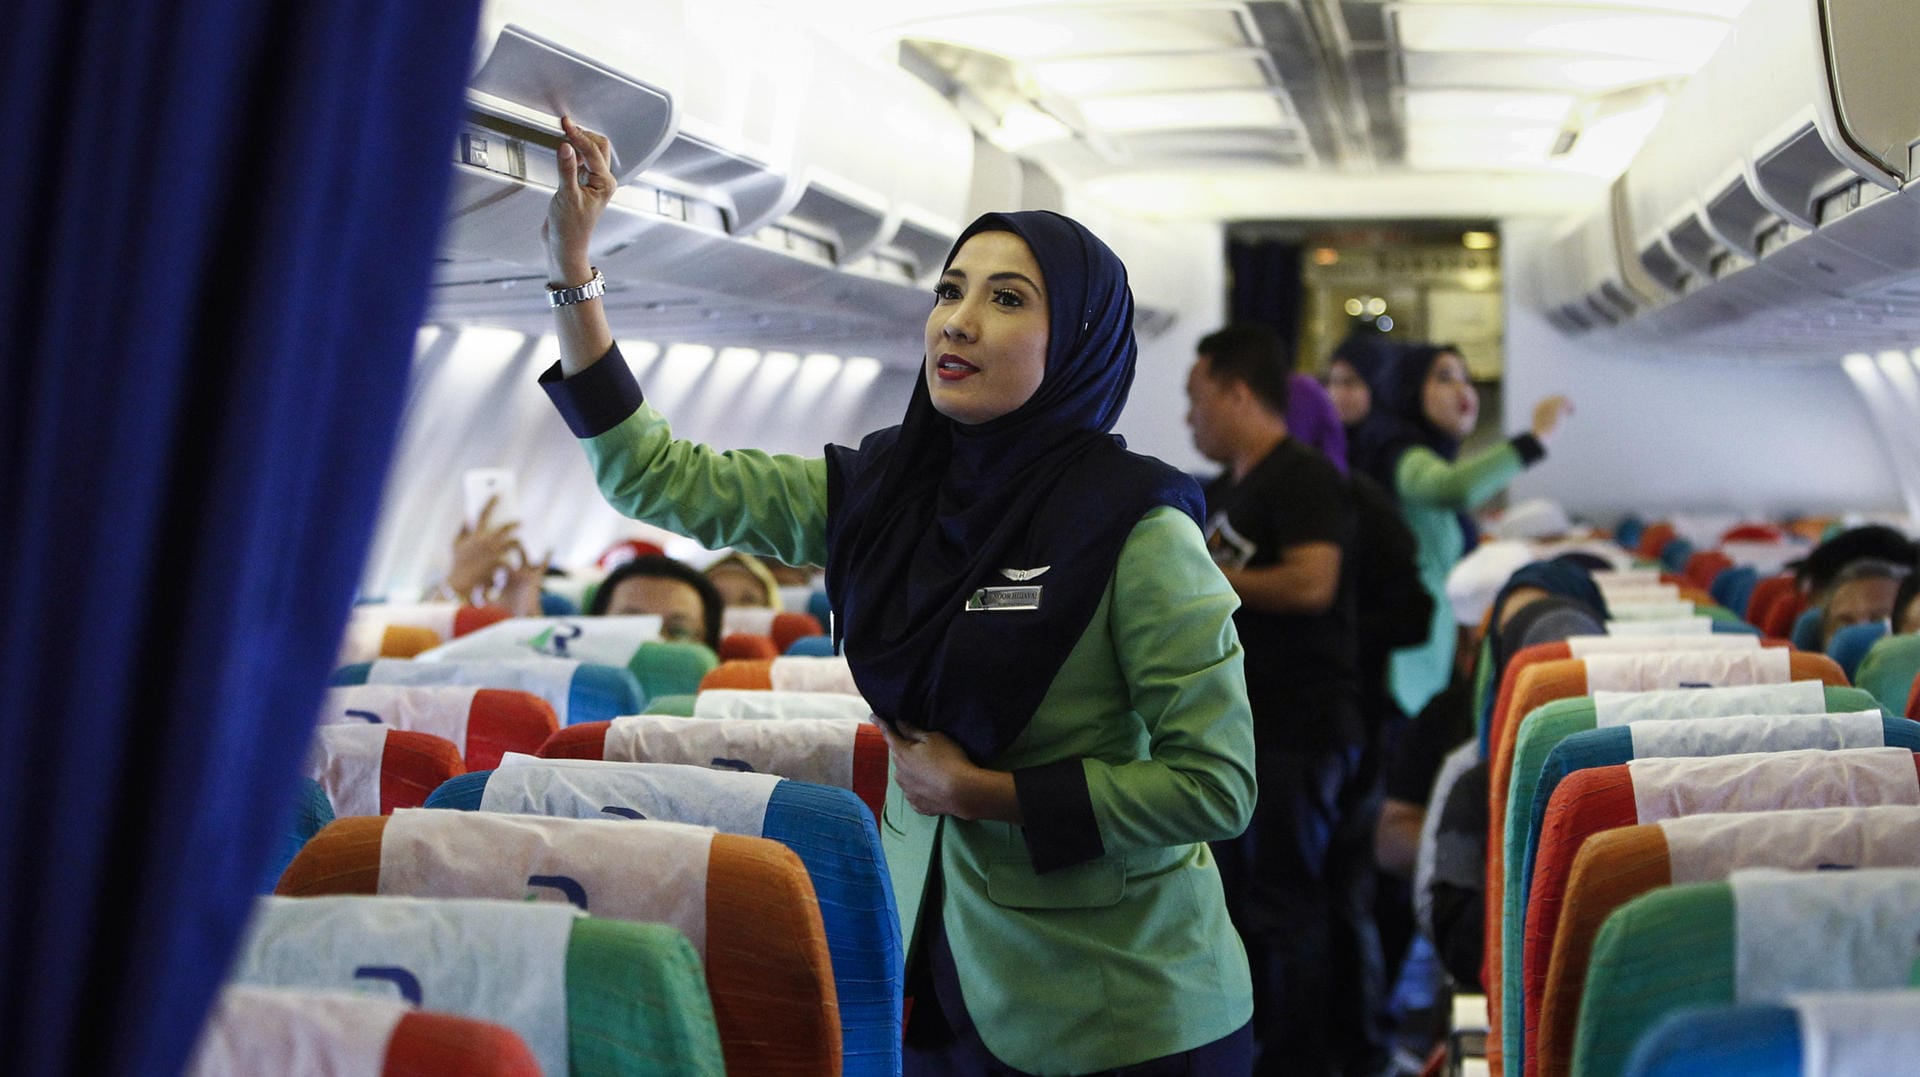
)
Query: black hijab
[
  {"x": 1377, "y": 361},
  {"x": 925, "y": 514},
  {"x": 1406, "y": 425}
]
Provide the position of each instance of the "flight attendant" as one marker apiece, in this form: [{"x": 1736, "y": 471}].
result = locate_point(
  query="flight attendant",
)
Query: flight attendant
[
  {"x": 1423, "y": 406},
  {"x": 1033, "y": 616}
]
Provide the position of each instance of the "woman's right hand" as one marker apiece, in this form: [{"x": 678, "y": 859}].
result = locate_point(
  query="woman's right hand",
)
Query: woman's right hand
[
  {"x": 586, "y": 185},
  {"x": 1547, "y": 415}
]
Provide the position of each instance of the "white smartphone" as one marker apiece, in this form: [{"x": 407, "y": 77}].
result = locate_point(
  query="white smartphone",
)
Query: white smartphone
[{"x": 497, "y": 484}]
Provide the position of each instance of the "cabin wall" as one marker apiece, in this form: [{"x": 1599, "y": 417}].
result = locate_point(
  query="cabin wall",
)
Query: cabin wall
[
  {"x": 1178, "y": 267},
  {"x": 1663, "y": 434},
  {"x": 474, "y": 402}
]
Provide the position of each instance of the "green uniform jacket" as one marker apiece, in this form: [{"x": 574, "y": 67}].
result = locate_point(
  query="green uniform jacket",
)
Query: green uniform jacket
[
  {"x": 1110, "y": 960},
  {"x": 1431, "y": 491}
]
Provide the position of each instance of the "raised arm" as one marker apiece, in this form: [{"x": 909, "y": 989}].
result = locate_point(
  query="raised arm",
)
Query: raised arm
[
  {"x": 765, "y": 504},
  {"x": 584, "y": 334},
  {"x": 1424, "y": 477}
]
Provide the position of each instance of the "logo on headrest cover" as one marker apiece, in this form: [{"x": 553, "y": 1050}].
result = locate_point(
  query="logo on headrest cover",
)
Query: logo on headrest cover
[{"x": 568, "y": 888}]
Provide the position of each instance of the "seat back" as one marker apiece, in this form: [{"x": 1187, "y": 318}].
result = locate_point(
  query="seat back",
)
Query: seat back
[
  {"x": 577, "y": 691},
  {"x": 745, "y": 904},
  {"x": 1759, "y": 765},
  {"x": 373, "y": 770},
  {"x": 734, "y": 703},
  {"x": 801, "y": 674},
  {"x": 1785, "y": 932},
  {"x": 1819, "y": 1034},
  {"x": 1589, "y": 646},
  {"x": 671, "y": 667},
  {"x": 746, "y": 675},
  {"x": 1704, "y": 567},
  {"x": 256, "y": 1030},
  {"x": 1547, "y": 684},
  {"x": 1616, "y": 866},
  {"x": 1781, "y": 613},
  {"x": 1763, "y": 595},
  {"x": 840, "y": 752},
  {"x": 1734, "y": 586},
  {"x": 586, "y": 995},
  {"x": 831, "y": 831},
  {"x": 1805, "y": 633},
  {"x": 789, "y": 627},
  {"x": 1850, "y": 645},
  {"x": 1653, "y": 538},
  {"x": 741, "y": 647},
  {"x": 811, "y": 647},
  {"x": 484, "y": 723},
  {"x": 1675, "y": 555},
  {"x": 606, "y": 640},
  {"x": 312, "y": 810},
  {"x": 1890, "y": 669}
]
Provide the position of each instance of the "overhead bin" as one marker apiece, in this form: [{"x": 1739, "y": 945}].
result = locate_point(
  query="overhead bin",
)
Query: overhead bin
[
  {"x": 887, "y": 164},
  {"x": 721, "y": 230},
  {"x": 1773, "y": 203}
]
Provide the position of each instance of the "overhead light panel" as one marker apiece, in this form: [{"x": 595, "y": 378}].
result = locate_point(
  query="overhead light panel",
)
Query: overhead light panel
[
  {"x": 1024, "y": 125},
  {"x": 1195, "y": 110},
  {"x": 1116, "y": 75},
  {"x": 1426, "y": 107},
  {"x": 1714, "y": 9},
  {"x": 1480, "y": 146},
  {"x": 1579, "y": 32},
  {"x": 1039, "y": 33},
  {"x": 1518, "y": 71}
]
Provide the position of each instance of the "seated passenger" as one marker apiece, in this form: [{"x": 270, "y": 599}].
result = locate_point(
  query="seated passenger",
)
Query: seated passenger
[
  {"x": 676, "y": 592},
  {"x": 1815, "y": 574},
  {"x": 1863, "y": 591},
  {"x": 743, "y": 581},
  {"x": 491, "y": 567},
  {"x": 1906, "y": 605}
]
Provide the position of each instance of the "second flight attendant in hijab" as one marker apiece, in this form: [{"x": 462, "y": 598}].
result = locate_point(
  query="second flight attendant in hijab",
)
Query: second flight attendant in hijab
[
  {"x": 1031, "y": 612},
  {"x": 1422, "y": 406}
]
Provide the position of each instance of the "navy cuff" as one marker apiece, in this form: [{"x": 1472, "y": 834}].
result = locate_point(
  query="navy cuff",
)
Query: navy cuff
[
  {"x": 598, "y": 398},
  {"x": 1529, "y": 447},
  {"x": 1060, "y": 826}
]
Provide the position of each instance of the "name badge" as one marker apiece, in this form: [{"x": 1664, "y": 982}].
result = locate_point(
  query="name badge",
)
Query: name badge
[{"x": 1004, "y": 598}]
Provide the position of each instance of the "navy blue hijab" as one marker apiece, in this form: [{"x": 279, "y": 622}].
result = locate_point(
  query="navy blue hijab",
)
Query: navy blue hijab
[
  {"x": 924, "y": 514},
  {"x": 1377, "y": 361}
]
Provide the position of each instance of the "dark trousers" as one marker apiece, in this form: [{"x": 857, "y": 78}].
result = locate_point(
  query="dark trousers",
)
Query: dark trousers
[{"x": 1300, "y": 889}]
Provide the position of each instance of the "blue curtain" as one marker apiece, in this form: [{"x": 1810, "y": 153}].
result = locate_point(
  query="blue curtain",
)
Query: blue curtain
[{"x": 217, "y": 221}]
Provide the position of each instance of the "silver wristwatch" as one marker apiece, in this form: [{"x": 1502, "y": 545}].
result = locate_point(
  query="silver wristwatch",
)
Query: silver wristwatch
[{"x": 566, "y": 297}]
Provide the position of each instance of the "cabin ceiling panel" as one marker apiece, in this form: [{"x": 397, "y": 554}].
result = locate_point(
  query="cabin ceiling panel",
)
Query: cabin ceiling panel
[{"x": 1326, "y": 87}]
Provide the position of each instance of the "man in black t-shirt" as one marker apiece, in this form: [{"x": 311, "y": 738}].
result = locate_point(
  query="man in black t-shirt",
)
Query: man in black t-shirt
[{"x": 1280, "y": 522}]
